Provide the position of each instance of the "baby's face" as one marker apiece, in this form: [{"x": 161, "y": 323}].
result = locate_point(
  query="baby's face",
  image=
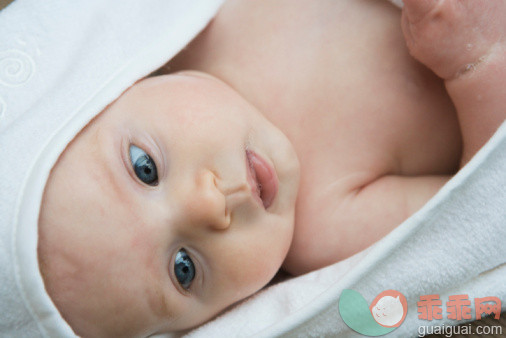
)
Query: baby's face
[{"x": 151, "y": 220}]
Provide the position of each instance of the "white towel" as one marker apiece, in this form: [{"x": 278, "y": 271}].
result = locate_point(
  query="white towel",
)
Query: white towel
[{"x": 61, "y": 63}]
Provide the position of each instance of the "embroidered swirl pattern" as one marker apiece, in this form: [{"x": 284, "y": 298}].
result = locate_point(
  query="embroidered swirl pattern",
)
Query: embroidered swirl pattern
[
  {"x": 16, "y": 67},
  {"x": 3, "y": 107}
]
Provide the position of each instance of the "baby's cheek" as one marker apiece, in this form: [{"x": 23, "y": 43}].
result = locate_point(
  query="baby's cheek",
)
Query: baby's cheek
[
  {"x": 259, "y": 271},
  {"x": 248, "y": 270}
]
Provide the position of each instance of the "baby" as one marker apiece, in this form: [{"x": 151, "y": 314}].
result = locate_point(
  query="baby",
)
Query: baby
[{"x": 296, "y": 142}]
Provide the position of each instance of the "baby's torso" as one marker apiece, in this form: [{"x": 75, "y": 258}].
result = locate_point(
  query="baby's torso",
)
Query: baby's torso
[{"x": 336, "y": 77}]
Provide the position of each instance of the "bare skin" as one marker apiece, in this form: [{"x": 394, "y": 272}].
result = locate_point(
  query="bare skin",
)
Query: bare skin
[
  {"x": 123, "y": 256},
  {"x": 375, "y": 131},
  {"x": 463, "y": 42}
]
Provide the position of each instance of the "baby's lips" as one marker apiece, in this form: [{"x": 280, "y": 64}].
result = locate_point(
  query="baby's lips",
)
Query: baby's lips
[{"x": 266, "y": 176}]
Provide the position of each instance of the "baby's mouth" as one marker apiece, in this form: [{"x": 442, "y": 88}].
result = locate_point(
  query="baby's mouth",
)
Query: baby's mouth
[{"x": 262, "y": 178}]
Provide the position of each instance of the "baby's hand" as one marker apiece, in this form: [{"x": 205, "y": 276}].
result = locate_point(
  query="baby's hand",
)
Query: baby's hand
[
  {"x": 463, "y": 41},
  {"x": 452, "y": 37}
]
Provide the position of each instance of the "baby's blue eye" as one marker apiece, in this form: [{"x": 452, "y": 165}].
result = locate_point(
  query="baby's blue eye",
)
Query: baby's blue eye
[
  {"x": 184, "y": 269},
  {"x": 143, "y": 165}
]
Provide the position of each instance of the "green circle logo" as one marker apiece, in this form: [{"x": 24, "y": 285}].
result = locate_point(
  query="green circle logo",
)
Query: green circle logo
[{"x": 386, "y": 312}]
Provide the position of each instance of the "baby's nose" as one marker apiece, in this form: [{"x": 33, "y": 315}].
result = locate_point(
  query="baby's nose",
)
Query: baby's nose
[{"x": 208, "y": 205}]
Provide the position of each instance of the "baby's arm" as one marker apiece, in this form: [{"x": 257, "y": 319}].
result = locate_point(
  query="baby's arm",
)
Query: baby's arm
[{"x": 463, "y": 42}]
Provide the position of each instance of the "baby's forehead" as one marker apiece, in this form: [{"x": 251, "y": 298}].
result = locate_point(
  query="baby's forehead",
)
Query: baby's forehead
[
  {"x": 177, "y": 84},
  {"x": 167, "y": 96},
  {"x": 150, "y": 90}
]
